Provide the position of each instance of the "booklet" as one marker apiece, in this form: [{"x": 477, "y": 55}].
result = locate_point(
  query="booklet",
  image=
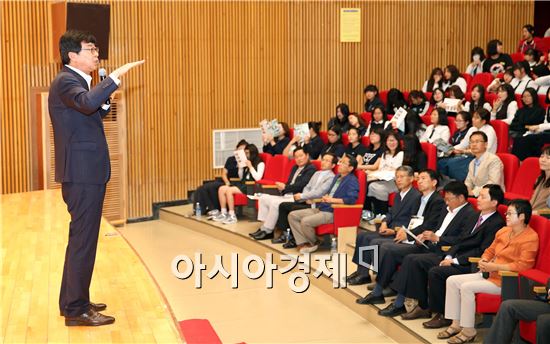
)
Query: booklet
[
  {"x": 399, "y": 119},
  {"x": 240, "y": 156},
  {"x": 301, "y": 130},
  {"x": 415, "y": 222},
  {"x": 451, "y": 105},
  {"x": 270, "y": 127}
]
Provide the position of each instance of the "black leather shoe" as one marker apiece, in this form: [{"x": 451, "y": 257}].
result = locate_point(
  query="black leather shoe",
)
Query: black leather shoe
[
  {"x": 280, "y": 240},
  {"x": 388, "y": 292},
  {"x": 356, "y": 273},
  {"x": 370, "y": 299},
  {"x": 98, "y": 307},
  {"x": 359, "y": 280},
  {"x": 290, "y": 244},
  {"x": 263, "y": 236},
  {"x": 256, "y": 232},
  {"x": 90, "y": 318},
  {"x": 392, "y": 311}
]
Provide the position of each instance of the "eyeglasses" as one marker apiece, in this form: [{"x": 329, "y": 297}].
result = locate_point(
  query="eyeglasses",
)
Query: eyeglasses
[
  {"x": 92, "y": 50},
  {"x": 508, "y": 213}
]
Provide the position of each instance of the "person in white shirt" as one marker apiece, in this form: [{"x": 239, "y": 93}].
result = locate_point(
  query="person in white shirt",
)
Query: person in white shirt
[
  {"x": 455, "y": 92},
  {"x": 452, "y": 77},
  {"x": 480, "y": 121},
  {"x": 476, "y": 65},
  {"x": 507, "y": 78},
  {"x": 543, "y": 84},
  {"x": 505, "y": 106},
  {"x": 434, "y": 81},
  {"x": 521, "y": 79},
  {"x": 439, "y": 129}
]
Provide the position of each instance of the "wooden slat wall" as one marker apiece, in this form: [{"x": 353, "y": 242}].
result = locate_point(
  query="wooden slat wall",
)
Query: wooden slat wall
[{"x": 229, "y": 64}]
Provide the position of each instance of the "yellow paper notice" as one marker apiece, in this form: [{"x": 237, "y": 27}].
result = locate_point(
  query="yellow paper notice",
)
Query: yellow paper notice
[{"x": 350, "y": 25}]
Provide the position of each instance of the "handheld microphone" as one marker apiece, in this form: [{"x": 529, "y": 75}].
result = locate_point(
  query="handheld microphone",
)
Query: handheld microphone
[{"x": 102, "y": 76}]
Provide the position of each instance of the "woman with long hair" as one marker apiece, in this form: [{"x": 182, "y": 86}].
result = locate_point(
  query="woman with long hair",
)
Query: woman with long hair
[{"x": 505, "y": 106}]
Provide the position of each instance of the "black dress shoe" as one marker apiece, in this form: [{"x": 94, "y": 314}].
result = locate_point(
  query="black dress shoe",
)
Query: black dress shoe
[
  {"x": 359, "y": 280},
  {"x": 356, "y": 273},
  {"x": 392, "y": 311},
  {"x": 263, "y": 236},
  {"x": 90, "y": 318},
  {"x": 280, "y": 240},
  {"x": 370, "y": 299},
  {"x": 98, "y": 307},
  {"x": 256, "y": 232},
  {"x": 290, "y": 244}
]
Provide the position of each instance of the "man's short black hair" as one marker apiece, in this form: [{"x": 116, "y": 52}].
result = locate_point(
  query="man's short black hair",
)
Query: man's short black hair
[
  {"x": 457, "y": 189},
  {"x": 495, "y": 192},
  {"x": 480, "y": 133},
  {"x": 352, "y": 161},
  {"x": 71, "y": 42},
  {"x": 333, "y": 156},
  {"x": 432, "y": 174}
]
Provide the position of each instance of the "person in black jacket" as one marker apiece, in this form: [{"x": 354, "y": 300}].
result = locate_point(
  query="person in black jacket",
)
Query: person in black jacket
[
  {"x": 334, "y": 144},
  {"x": 341, "y": 118},
  {"x": 276, "y": 145},
  {"x": 413, "y": 155},
  {"x": 529, "y": 115},
  {"x": 372, "y": 98},
  {"x": 412, "y": 278},
  {"x": 452, "y": 223},
  {"x": 312, "y": 143},
  {"x": 268, "y": 205}
]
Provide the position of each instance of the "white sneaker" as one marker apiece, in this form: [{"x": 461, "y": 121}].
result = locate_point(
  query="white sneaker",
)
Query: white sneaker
[
  {"x": 213, "y": 212},
  {"x": 309, "y": 249},
  {"x": 367, "y": 215},
  {"x": 231, "y": 219},
  {"x": 220, "y": 217}
]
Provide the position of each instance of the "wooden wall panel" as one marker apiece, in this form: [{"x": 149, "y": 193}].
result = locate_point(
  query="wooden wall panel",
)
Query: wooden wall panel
[{"x": 221, "y": 64}]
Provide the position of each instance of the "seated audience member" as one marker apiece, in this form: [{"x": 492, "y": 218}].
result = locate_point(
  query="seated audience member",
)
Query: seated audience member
[
  {"x": 276, "y": 145},
  {"x": 505, "y": 106},
  {"x": 506, "y": 79},
  {"x": 452, "y": 77},
  {"x": 268, "y": 205},
  {"x": 407, "y": 202},
  {"x": 379, "y": 189},
  {"x": 486, "y": 168},
  {"x": 418, "y": 271},
  {"x": 413, "y": 155},
  {"x": 379, "y": 119},
  {"x": 448, "y": 230},
  {"x": 476, "y": 61},
  {"x": 530, "y": 114},
  {"x": 343, "y": 190},
  {"x": 253, "y": 171},
  {"x": 207, "y": 194},
  {"x": 439, "y": 129},
  {"x": 435, "y": 80},
  {"x": 512, "y": 311},
  {"x": 395, "y": 101},
  {"x": 514, "y": 249},
  {"x": 341, "y": 118},
  {"x": 543, "y": 84},
  {"x": 355, "y": 148},
  {"x": 312, "y": 143},
  {"x": 457, "y": 166},
  {"x": 418, "y": 102},
  {"x": 374, "y": 150},
  {"x": 454, "y": 92},
  {"x": 355, "y": 121},
  {"x": 478, "y": 99},
  {"x": 538, "y": 67},
  {"x": 528, "y": 39},
  {"x": 317, "y": 187},
  {"x": 530, "y": 145},
  {"x": 372, "y": 98},
  {"x": 522, "y": 80},
  {"x": 438, "y": 96},
  {"x": 413, "y": 124},
  {"x": 334, "y": 144},
  {"x": 541, "y": 191},
  {"x": 496, "y": 61}
]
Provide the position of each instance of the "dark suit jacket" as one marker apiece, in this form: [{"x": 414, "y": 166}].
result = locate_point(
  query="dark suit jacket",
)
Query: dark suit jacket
[
  {"x": 473, "y": 244},
  {"x": 348, "y": 190},
  {"x": 81, "y": 152},
  {"x": 454, "y": 230},
  {"x": 402, "y": 209},
  {"x": 435, "y": 208},
  {"x": 301, "y": 180}
]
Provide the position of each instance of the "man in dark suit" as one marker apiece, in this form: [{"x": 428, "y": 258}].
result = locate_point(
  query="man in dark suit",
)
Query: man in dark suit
[
  {"x": 82, "y": 166},
  {"x": 452, "y": 222},
  {"x": 412, "y": 278},
  {"x": 428, "y": 203},
  {"x": 406, "y": 204}
]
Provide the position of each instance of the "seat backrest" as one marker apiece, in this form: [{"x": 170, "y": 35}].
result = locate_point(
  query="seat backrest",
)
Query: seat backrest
[
  {"x": 542, "y": 101},
  {"x": 317, "y": 164},
  {"x": 287, "y": 169},
  {"x": 427, "y": 117},
  {"x": 517, "y": 57},
  {"x": 501, "y": 130},
  {"x": 266, "y": 157},
  {"x": 452, "y": 125},
  {"x": 511, "y": 166},
  {"x": 490, "y": 98},
  {"x": 365, "y": 140},
  {"x": 431, "y": 154},
  {"x": 362, "y": 178},
  {"x": 542, "y": 226},
  {"x": 345, "y": 139},
  {"x": 528, "y": 172},
  {"x": 518, "y": 100},
  {"x": 324, "y": 136},
  {"x": 484, "y": 79},
  {"x": 367, "y": 117},
  {"x": 502, "y": 208},
  {"x": 384, "y": 96},
  {"x": 473, "y": 202},
  {"x": 275, "y": 168},
  {"x": 467, "y": 77}
]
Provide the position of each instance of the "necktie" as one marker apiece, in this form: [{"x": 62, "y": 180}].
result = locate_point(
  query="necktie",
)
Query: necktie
[{"x": 477, "y": 224}]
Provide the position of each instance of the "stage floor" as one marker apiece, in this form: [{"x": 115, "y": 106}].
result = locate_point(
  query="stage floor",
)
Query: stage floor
[{"x": 34, "y": 237}]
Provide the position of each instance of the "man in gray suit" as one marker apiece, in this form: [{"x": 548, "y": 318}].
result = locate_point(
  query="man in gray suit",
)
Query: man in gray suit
[
  {"x": 486, "y": 168},
  {"x": 82, "y": 166}
]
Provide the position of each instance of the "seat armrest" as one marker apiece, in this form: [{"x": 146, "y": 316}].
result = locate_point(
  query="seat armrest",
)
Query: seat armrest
[{"x": 445, "y": 248}]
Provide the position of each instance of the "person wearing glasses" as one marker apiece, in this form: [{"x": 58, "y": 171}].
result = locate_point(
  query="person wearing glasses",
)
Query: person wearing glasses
[
  {"x": 486, "y": 168},
  {"x": 82, "y": 166}
]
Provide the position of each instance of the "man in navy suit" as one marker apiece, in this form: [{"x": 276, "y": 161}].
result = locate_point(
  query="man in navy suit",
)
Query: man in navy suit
[{"x": 82, "y": 166}]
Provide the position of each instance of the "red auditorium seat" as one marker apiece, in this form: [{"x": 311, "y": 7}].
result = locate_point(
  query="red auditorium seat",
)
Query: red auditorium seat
[
  {"x": 365, "y": 140},
  {"x": 484, "y": 79},
  {"x": 452, "y": 125},
  {"x": 501, "y": 129},
  {"x": 542, "y": 101},
  {"x": 511, "y": 166},
  {"x": 241, "y": 199},
  {"x": 431, "y": 154},
  {"x": 406, "y": 95},
  {"x": 522, "y": 187},
  {"x": 427, "y": 117},
  {"x": 384, "y": 96},
  {"x": 490, "y": 98},
  {"x": 517, "y": 57},
  {"x": 317, "y": 164},
  {"x": 468, "y": 78},
  {"x": 345, "y": 139},
  {"x": 291, "y": 135},
  {"x": 473, "y": 202},
  {"x": 275, "y": 170},
  {"x": 324, "y": 136},
  {"x": 346, "y": 215},
  {"x": 367, "y": 117},
  {"x": 518, "y": 100}
]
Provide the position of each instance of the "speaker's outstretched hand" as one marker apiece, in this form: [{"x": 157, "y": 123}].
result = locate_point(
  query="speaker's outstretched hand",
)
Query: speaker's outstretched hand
[{"x": 120, "y": 71}]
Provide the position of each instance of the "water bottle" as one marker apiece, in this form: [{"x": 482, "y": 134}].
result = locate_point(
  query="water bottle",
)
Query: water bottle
[
  {"x": 287, "y": 238},
  {"x": 198, "y": 212},
  {"x": 333, "y": 246}
]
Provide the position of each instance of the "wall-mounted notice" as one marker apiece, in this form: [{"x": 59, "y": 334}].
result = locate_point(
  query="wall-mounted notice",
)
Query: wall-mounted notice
[{"x": 350, "y": 25}]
